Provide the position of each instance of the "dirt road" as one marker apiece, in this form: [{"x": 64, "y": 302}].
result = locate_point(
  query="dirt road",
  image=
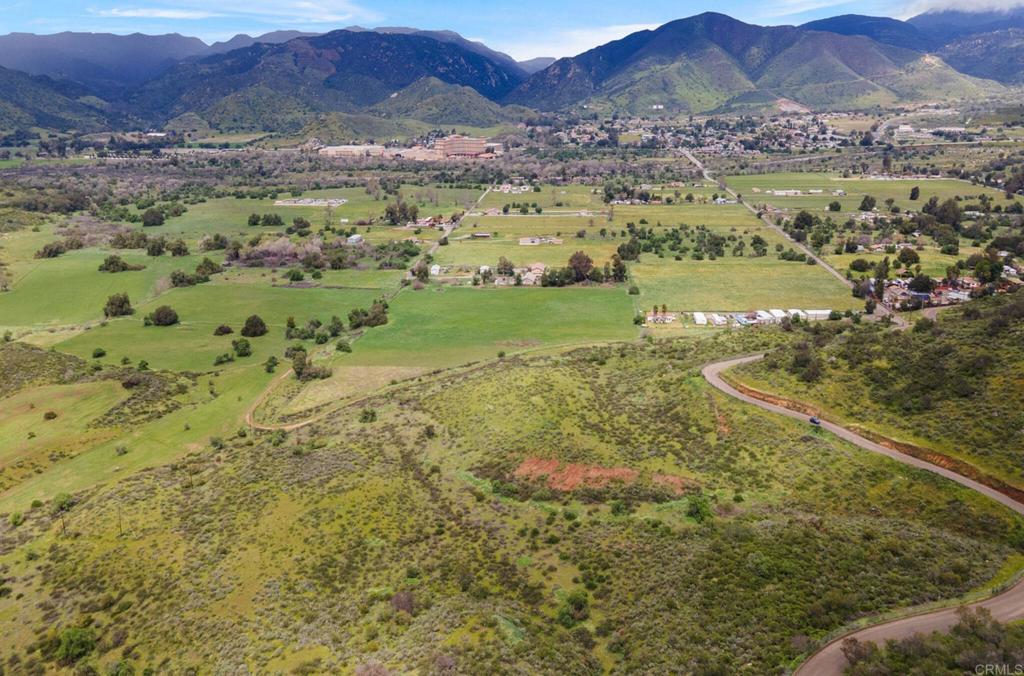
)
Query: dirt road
[{"x": 830, "y": 660}]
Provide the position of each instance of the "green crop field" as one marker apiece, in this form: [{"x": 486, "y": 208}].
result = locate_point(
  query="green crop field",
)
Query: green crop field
[
  {"x": 738, "y": 284},
  {"x": 755, "y": 187},
  {"x": 445, "y": 327},
  {"x": 191, "y": 345}
]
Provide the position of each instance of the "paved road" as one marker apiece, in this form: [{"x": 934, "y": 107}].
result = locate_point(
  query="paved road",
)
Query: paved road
[
  {"x": 880, "y": 310},
  {"x": 830, "y": 660}
]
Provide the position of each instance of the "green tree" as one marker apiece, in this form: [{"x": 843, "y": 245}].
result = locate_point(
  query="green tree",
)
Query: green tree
[{"x": 254, "y": 327}]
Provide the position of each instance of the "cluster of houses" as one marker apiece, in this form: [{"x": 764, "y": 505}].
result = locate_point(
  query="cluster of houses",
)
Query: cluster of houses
[
  {"x": 792, "y": 192},
  {"x": 510, "y": 189},
  {"x": 309, "y": 202},
  {"x": 755, "y": 317},
  {"x": 537, "y": 241}
]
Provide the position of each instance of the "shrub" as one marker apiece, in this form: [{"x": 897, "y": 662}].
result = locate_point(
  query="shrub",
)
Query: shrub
[
  {"x": 98, "y": 353},
  {"x": 152, "y": 218},
  {"x": 162, "y": 316},
  {"x": 225, "y": 358},
  {"x": 343, "y": 346},
  {"x": 254, "y": 327},
  {"x": 223, "y": 330},
  {"x": 115, "y": 263},
  {"x": 75, "y": 643},
  {"x": 16, "y": 519},
  {"x": 242, "y": 347},
  {"x": 50, "y": 415},
  {"x": 118, "y": 305},
  {"x": 367, "y": 415}
]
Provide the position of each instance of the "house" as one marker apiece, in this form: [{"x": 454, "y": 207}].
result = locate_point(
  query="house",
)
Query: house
[
  {"x": 700, "y": 319},
  {"x": 798, "y": 314},
  {"x": 778, "y": 315},
  {"x": 484, "y": 269},
  {"x": 818, "y": 314},
  {"x": 718, "y": 320},
  {"x": 481, "y": 235},
  {"x": 435, "y": 270},
  {"x": 353, "y": 240},
  {"x": 764, "y": 317}
]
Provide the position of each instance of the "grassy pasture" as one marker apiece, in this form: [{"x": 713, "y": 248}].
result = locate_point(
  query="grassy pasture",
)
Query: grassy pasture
[
  {"x": 715, "y": 216},
  {"x": 737, "y": 284},
  {"x": 229, "y": 215},
  {"x": 445, "y": 327},
  {"x": 856, "y": 189},
  {"x": 571, "y": 197},
  {"x": 933, "y": 263},
  {"x": 70, "y": 289},
  {"x": 191, "y": 345}
]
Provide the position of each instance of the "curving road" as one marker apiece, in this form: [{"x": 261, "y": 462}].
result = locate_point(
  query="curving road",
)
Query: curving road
[{"x": 1007, "y": 606}]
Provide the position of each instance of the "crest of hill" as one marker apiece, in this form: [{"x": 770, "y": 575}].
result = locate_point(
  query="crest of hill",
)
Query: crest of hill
[
  {"x": 102, "y": 61},
  {"x": 948, "y": 25},
  {"x": 431, "y": 100},
  {"x": 703, "y": 63},
  {"x": 881, "y": 29},
  {"x": 998, "y": 55},
  {"x": 342, "y": 71},
  {"x": 453, "y": 38},
  {"x": 38, "y": 101}
]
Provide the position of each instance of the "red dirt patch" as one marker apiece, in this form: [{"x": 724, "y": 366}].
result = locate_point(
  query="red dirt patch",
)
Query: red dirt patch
[
  {"x": 676, "y": 484},
  {"x": 573, "y": 475}
]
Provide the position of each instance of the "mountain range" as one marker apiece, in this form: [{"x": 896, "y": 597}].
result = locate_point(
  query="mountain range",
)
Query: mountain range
[{"x": 359, "y": 78}]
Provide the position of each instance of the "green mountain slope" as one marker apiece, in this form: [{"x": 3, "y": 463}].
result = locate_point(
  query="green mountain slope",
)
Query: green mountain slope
[
  {"x": 284, "y": 86},
  {"x": 37, "y": 101},
  {"x": 998, "y": 55},
  {"x": 706, "y": 62},
  {"x": 433, "y": 101}
]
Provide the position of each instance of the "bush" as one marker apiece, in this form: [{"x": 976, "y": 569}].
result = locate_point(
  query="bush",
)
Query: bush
[
  {"x": 242, "y": 347},
  {"x": 50, "y": 415},
  {"x": 254, "y": 327},
  {"x": 343, "y": 346},
  {"x": 223, "y": 330},
  {"x": 152, "y": 218},
  {"x": 162, "y": 316},
  {"x": 98, "y": 353},
  {"x": 118, "y": 305},
  {"x": 75, "y": 643}
]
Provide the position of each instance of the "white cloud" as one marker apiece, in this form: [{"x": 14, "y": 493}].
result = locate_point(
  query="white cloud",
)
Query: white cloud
[
  {"x": 280, "y": 12},
  {"x": 921, "y": 6},
  {"x": 785, "y": 8},
  {"x": 154, "y": 13},
  {"x": 568, "y": 42}
]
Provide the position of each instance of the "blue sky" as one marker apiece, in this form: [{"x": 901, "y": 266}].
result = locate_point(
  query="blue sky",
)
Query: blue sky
[{"x": 524, "y": 28}]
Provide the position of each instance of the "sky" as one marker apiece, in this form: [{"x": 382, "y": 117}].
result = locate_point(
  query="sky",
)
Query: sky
[{"x": 523, "y": 28}]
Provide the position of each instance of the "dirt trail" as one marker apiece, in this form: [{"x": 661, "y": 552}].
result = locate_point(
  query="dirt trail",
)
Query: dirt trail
[{"x": 829, "y": 660}]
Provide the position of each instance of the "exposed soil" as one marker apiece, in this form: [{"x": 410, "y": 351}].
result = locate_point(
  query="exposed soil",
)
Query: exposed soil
[{"x": 571, "y": 476}]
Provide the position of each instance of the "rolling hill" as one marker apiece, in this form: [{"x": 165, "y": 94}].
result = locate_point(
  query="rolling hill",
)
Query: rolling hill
[
  {"x": 998, "y": 55},
  {"x": 948, "y": 25},
  {"x": 102, "y": 61},
  {"x": 879, "y": 28},
  {"x": 430, "y": 100},
  {"x": 284, "y": 86},
  {"x": 709, "y": 61},
  {"x": 38, "y": 101}
]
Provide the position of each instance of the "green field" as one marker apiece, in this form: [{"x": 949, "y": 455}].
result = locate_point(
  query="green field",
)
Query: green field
[
  {"x": 738, "y": 285},
  {"x": 856, "y": 189},
  {"x": 445, "y": 327},
  {"x": 191, "y": 345}
]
